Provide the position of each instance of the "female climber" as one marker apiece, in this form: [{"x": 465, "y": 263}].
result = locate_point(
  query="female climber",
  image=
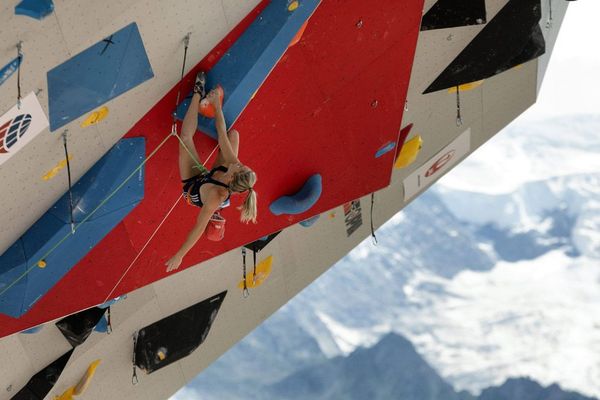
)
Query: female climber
[{"x": 212, "y": 189}]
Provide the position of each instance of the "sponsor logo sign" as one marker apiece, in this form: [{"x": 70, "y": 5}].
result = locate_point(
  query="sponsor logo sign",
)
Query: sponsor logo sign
[
  {"x": 20, "y": 125},
  {"x": 437, "y": 165},
  {"x": 352, "y": 216}
]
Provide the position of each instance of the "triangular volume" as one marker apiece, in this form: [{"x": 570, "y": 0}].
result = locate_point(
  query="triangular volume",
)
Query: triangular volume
[
  {"x": 454, "y": 13},
  {"x": 77, "y": 327},
  {"x": 261, "y": 243},
  {"x": 41, "y": 383},
  {"x": 515, "y": 37},
  {"x": 175, "y": 336}
]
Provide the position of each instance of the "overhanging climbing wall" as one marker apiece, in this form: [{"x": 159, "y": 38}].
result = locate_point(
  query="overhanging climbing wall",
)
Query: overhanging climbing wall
[{"x": 331, "y": 103}]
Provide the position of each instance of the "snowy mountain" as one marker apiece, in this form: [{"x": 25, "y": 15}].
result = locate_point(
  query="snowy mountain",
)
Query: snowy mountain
[
  {"x": 392, "y": 369},
  {"x": 489, "y": 279}
]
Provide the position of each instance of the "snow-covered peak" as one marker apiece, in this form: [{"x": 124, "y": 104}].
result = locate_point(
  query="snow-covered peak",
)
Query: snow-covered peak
[{"x": 530, "y": 151}]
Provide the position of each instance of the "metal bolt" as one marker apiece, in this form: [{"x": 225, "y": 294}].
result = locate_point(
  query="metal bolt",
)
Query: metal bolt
[
  {"x": 359, "y": 24},
  {"x": 374, "y": 104}
]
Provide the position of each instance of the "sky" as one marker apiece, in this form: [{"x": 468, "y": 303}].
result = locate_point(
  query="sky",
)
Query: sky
[
  {"x": 572, "y": 82},
  {"x": 571, "y": 86}
]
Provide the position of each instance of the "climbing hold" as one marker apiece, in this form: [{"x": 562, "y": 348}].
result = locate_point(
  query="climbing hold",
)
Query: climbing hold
[
  {"x": 207, "y": 109},
  {"x": 76, "y": 328},
  {"x": 95, "y": 117},
  {"x": 37, "y": 9},
  {"x": 301, "y": 201},
  {"x": 41, "y": 264},
  {"x": 293, "y": 6},
  {"x": 54, "y": 171},
  {"x": 299, "y": 34},
  {"x": 84, "y": 382},
  {"x": 33, "y": 330},
  {"x": 409, "y": 152},
  {"x": 310, "y": 222},
  {"x": 42, "y": 383},
  {"x": 385, "y": 149},
  {"x": 161, "y": 354},
  {"x": 466, "y": 86},
  {"x": 178, "y": 334},
  {"x": 263, "y": 270},
  {"x": 104, "y": 72}
]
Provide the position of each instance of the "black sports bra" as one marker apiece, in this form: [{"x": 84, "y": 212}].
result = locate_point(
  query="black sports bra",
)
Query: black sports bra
[{"x": 191, "y": 186}]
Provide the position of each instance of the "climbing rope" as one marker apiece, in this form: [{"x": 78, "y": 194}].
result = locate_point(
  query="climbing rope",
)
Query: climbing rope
[
  {"x": 134, "y": 377},
  {"x": 254, "y": 270},
  {"x": 549, "y": 22},
  {"x": 41, "y": 260},
  {"x": 108, "y": 322},
  {"x": 374, "y": 238},
  {"x": 143, "y": 248},
  {"x": 19, "y": 58},
  {"x": 64, "y": 135},
  {"x": 459, "y": 120},
  {"x": 245, "y": 292},
  {"x": 75, "y": 227}
]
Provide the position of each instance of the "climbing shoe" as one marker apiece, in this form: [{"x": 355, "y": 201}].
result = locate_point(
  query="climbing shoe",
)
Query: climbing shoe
[{"x": 199, "y": 85}]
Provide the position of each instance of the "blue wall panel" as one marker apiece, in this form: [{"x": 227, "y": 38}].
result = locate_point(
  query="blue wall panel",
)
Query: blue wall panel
[
  {"x": 101, "y": 180},
  {"x": 100, "y": 73},
  {"x": 249, "y": 61}
]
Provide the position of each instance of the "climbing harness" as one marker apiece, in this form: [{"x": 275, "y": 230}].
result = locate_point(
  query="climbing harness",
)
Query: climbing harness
[
  {"x": 19, "y": 58},
  {"x": 64, "y": 135},
  {"x": 459, "y": 120},
  {"x": 374, "y": 238},
  {"x": 245, "y": 291},
  {"x": 134, "y": 377}
]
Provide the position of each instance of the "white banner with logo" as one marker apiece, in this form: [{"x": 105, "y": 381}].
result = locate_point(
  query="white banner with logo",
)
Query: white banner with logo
[
  {"x": 437, "y": 165},
  {"x": 20, "y": 125}
]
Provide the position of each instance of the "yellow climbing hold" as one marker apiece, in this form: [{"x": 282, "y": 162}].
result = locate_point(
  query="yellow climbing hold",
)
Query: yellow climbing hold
[
  {"x": 466, "y": 87},
  {"x": 409, "y": 152},
  {"x": 263, "y": 270},
  {"x": 67, "y": 394},
  {"x": 52, "y": 173},
  {"x": 41, "y": 264},
  {"x": 293, "y": 6},
  {"x": 83, "y": 384},
  {"x": 85, "y": 380},
  {"x": 95, "y": 117},
  {"x": 331, "y": 215}
]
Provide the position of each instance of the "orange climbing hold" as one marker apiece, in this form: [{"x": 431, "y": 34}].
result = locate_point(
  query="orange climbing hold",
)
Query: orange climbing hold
[
  {"x": 207, "y": 109},
  {"x": 299, "y": 34}
]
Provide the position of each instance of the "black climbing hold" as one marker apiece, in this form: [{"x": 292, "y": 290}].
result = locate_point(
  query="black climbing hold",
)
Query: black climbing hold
[{"x": 511, "y": 38}]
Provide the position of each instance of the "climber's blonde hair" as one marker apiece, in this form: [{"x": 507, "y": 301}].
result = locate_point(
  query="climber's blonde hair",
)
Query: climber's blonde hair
[{"x": 244, "y": 181}]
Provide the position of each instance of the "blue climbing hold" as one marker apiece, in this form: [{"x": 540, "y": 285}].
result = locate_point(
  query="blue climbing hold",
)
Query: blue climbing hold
[
  {"x": 310, "y": 222},
  {"x": 37, "y": 9},
  {"x": 385, "y": 149},
  {"x": 102, "y": 325},
  {"x": 33, "y": 330},
  {"x": 301, "y": 201}
]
